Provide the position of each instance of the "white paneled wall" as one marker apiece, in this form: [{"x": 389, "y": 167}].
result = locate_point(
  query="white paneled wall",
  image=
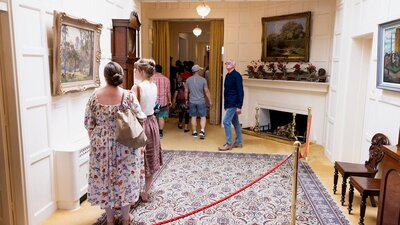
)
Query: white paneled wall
[
  {"x": 34, "y": 93},
  {"x": 357, "y": 109},
  {"x": 332, "y": 97},
  {"x": 50, "y": 123}
]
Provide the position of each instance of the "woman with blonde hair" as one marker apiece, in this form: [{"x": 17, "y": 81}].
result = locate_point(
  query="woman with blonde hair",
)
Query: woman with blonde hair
[
  {"x": 115, "y": 171},
  {"x": 146, "y": 92}
]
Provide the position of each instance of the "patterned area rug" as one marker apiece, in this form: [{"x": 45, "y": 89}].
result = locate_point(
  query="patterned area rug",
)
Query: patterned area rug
[{"x": 189, "y": 180}]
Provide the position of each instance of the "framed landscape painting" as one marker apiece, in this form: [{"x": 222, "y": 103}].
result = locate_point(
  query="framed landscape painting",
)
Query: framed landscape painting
[
  {"x": 286, "y": 38},
  {"x": 77, "y": 54},
  {"x": 388, "y": 73}
]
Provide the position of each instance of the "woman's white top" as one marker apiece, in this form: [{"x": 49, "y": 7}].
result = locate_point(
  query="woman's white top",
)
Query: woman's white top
[{"x": 148, "y": 96}]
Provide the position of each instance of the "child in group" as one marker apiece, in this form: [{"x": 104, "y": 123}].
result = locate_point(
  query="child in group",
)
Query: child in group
[{"x": 180, "y": 103}]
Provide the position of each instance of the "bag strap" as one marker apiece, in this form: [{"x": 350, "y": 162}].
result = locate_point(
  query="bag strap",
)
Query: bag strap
[
  {"x": 122, "y": 99},
  {"x": 138, "y": 92}
]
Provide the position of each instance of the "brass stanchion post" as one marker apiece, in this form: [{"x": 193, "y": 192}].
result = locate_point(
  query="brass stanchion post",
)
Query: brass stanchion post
[{"x": 296, "y": 145}]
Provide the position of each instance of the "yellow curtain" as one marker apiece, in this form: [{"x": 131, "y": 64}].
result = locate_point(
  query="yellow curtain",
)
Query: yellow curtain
[
  {"x": 161, "y": 45},
  {"x": 215, "y": 76}
]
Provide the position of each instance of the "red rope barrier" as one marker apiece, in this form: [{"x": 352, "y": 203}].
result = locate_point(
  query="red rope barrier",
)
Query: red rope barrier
[
  {"x": 226, "y": 197},
  {"x": 307, "y": 139}
]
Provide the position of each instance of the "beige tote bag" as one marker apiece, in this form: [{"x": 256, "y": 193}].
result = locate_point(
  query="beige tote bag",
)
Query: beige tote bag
[{"x": 129, "y": 130}]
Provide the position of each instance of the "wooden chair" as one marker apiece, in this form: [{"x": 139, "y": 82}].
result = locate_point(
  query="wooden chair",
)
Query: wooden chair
[
  {"x": 367, "y": 187},
  {"x": 369, "y": 169}
]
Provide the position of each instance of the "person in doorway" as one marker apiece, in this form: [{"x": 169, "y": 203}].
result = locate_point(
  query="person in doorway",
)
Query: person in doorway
[
  {"x": 207, "y": 75},
  {"x": 115, "y": 171},
  {"x": 146, "y": 92},
  {"x": 172, "y": 75},
  {"x": 187, "y": 70},
  {"x": 180, "y": 103},
  {"x": 196, "y": 90},
  {"x": 163, "y": 97},
  {"x": 233, "y": 102}
]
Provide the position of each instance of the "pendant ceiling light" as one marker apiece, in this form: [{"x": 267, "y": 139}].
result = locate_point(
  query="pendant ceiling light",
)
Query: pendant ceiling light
[
  {"x": 203, "y": 10},
  {"x": 197, "y": 31}
]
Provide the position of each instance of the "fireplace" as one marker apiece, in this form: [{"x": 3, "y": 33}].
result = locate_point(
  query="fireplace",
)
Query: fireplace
[
  {"x": 287, "y": 97},
  {"x": 279, "y": 124}
]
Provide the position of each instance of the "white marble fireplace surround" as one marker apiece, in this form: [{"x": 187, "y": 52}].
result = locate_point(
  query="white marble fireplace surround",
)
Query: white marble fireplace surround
[{"x": 287, "y": 96}]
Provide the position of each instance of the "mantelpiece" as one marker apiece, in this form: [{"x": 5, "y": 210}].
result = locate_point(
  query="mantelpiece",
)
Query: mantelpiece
[
  {"x": 289, "y": 85},
  {"x": 287, "y": 96}
]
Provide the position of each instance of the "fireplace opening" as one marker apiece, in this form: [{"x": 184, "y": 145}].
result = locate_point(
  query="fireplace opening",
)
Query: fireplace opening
[
  {"x": 279, "y": 118},
  {"x": 280, "y": 124}
]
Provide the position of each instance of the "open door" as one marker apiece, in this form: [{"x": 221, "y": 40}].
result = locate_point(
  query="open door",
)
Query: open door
[
  {"x": 5, "y": 179},
  {"x": 5, "y": 182},
  {"x": 12, "y": 195}
]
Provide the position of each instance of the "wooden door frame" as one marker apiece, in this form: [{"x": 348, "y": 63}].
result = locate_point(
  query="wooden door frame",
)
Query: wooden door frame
[
  {"x": 10, "y": 124},
  {"x": 5, "y": 176}
]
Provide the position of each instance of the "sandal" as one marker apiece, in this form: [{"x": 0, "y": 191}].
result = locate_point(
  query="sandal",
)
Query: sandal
[
  {"x": 113, "y": 222},
  {"x": 180, "y": 126},
  {"x": 144, "y": 197},
  {"x": 128, "y": 221}
]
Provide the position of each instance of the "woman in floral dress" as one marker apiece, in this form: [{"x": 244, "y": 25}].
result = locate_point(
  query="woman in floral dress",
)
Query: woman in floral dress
[
  {"x": 116, "y": 172},
  {"x": 146, "y": 92}
]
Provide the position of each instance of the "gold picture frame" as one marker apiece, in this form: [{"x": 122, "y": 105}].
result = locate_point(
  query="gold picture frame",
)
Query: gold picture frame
[
  {"x": 286, "y": 38},
  {"x": 77, "y": 54}
]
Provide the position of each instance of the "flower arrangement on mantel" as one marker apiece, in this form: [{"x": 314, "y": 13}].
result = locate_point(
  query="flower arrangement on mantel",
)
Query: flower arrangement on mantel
[{"x": 282, "y": 71}]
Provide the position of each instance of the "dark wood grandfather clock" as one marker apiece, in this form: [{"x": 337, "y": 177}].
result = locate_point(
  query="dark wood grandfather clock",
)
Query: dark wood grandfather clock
[{"x": 125, "y": 45}]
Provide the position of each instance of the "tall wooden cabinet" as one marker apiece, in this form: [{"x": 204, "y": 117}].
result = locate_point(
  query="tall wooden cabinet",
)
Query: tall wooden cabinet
[
  {"x": 389, "y": 198},
  {"x": 125, "y": 47}
]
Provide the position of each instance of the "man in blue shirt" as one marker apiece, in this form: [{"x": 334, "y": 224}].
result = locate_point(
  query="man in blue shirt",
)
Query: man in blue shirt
[{"x": 233, "y": 102}]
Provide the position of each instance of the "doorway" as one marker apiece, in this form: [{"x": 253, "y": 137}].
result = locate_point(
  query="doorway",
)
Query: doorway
[
  {"x": 6, "y": 216},
  {"x": 186, "y": 46},
  {"x": 12, "y": 185},
  {"x": 356, "y": 97},
  {"x": 182, "y": 46}
]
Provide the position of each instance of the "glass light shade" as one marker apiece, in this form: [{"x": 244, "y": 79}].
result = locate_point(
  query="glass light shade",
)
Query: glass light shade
[
  {"x": 197, "y": 31},
  {"x": 203, "y": 10}
]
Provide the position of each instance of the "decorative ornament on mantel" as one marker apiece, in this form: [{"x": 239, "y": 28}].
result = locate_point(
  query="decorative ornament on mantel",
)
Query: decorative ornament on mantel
[
  {"x": 203, "y": 10},
  {"x": 280, "y": 71}
]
